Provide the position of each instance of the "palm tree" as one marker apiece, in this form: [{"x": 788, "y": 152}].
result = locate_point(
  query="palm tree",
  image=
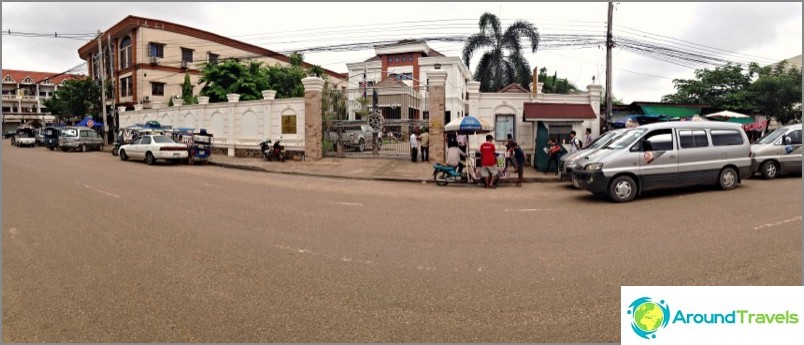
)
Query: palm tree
[{"x": 496, "y": 69}]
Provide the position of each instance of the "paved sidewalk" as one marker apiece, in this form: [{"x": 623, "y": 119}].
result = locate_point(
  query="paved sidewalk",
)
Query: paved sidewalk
[{"x": 398, "y": 170}]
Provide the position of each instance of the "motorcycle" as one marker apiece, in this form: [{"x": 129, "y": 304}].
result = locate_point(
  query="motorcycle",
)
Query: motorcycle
[
  {"x": 444, "y": 175},
  {"x": 273, "y": 152}
]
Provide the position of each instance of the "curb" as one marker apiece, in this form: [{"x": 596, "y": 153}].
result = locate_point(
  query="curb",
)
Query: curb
[{"x": 385, "y": 179}]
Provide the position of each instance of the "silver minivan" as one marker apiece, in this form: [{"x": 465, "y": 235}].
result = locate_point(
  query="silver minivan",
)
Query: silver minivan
[
  {"x": 778, "y": 152},
  {"x": 80, "y": 138},
  {"x": 567, "y": 161},
  {"x": 667, "y": 155}
]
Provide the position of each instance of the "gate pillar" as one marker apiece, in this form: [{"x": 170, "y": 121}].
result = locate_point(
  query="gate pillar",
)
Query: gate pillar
[
  {"x": 436, "y": 104},
  {"x": 313, "y": 126}
]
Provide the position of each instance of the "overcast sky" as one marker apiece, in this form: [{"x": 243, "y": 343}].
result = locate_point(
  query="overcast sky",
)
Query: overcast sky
[{"x": 764, "y": 32}]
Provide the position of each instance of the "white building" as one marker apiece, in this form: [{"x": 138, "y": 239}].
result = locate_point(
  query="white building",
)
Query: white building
[{"x": 24, "y": 92}]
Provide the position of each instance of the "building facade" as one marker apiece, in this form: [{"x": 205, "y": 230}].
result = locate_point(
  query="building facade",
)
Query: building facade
[
  {"x": 23, "y": 95},
  {"x": 147, "y": 59}
]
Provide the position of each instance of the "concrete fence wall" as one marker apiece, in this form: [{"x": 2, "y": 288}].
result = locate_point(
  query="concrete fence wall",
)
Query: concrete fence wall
[{"x": 235, "y": 125}]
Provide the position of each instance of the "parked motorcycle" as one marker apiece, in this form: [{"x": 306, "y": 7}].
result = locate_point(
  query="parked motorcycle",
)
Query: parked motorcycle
[
  {"x": 273, "y": 152},
  {"x": 444, "y": 175}
]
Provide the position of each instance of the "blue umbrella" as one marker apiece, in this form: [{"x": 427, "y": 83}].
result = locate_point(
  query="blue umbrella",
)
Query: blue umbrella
[{"x": 468, "y": 125}]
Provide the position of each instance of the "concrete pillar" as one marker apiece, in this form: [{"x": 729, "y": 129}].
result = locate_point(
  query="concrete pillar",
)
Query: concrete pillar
[
  {"x": 437, "y": 100},
  {"x": 313, "y": 135}
]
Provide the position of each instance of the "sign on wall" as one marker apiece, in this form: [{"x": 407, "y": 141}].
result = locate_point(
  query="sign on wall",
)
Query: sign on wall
[{"x": 288, "y": 124}]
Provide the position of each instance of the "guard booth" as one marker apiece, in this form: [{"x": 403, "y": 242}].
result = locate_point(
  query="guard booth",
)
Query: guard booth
[{"x": 557, "y": 120}]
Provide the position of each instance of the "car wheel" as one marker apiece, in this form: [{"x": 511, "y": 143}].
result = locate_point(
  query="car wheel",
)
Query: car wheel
[
  {"x": 114, "y": 152},
  {"x": 622, "y": 189},
  {"x": 51, "y": 148},
  {"x": 149, "y": 159},
  {"x": 361, "y": 146},
  {"x": 769, "y": 170},
  {"x": 728, "y": 178},
  {"x": 100, "y": 147},
  {"x": 440, "y": 178},
  {"x": 63, "y": 149},
  {"x": 83, "y": 148},
  {"x": 123, "y": 155}
]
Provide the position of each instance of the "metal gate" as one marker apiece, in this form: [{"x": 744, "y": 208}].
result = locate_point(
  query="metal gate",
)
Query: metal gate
[{"x": 372, "y": 122}]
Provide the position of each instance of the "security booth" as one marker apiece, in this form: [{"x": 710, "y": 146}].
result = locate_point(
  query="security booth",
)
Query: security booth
[{"x": 557, "y": 120}]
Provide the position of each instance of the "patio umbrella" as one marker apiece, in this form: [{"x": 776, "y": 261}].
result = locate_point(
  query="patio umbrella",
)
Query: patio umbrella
[{"x": 730, "y": 116}]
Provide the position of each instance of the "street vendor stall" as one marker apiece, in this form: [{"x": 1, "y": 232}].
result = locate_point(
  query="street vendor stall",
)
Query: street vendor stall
[{"x": 470, "y": 125}]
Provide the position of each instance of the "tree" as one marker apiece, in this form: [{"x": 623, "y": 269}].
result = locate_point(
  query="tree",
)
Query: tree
[
  {"x": 187, "y": 91},
  {"x": 76, "y": 98},
  {"x": 233, "y": 76},
  {"x": 504, "y": 62},
  {"x": 555, "y": 85},
  {"x": 772, "y": 90}
]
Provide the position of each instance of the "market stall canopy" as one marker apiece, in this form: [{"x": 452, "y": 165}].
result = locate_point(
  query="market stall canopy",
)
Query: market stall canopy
[
  {"x": 468, "y": 125},
  {"x": 673, "y": 111}
]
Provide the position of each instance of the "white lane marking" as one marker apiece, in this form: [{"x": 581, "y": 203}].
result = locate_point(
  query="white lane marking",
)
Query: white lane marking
[
  {"x": 330, "y": 256},
  {"x": 777, "y": 223},
  {"x": 529, "y": 210},
  {"x": 348, "y": 203},
  {"x": 97, "y": 190}
]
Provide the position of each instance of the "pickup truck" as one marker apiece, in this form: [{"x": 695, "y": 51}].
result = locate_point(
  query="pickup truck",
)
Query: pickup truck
[
  {"x": 360, "y": 137},
  {"x": 24, "y": 137}
]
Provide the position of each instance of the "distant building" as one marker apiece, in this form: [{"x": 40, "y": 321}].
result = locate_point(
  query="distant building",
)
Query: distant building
[
  {"x": 150, "y": 57},
  {"x": 24, "y": 92}
]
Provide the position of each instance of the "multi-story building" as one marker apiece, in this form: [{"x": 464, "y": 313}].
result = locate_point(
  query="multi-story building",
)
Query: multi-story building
[
  {"x": 24, "y": 92},
  {"x": 150, "y": 58}
]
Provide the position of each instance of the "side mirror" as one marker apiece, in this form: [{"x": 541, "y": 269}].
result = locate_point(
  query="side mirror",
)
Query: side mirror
[{"x": 788, "y": 140}]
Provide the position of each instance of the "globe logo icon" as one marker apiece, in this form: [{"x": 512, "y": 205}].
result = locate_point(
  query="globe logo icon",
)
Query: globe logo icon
[{"x": 648, "y": 316}]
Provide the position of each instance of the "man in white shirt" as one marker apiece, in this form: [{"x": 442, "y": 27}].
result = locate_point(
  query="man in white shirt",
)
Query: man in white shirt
[
  {"x": 414, "y": 145},
  {"x": 575, "y": 143}
]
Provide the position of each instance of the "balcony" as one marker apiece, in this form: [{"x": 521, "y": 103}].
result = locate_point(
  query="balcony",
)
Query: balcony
[
  {"x": 9, "y": 97},
  {"x": 30, "y": 98}
]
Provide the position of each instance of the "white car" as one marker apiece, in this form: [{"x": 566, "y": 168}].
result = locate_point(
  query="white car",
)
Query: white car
[
  {"x": 24, "y": 139},
  {"x": 154, "y": 147}
]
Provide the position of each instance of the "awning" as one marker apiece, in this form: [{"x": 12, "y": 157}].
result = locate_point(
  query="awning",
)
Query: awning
[
  {"x": 670, "y": 111},
  {"x": 558, "y": 111}
]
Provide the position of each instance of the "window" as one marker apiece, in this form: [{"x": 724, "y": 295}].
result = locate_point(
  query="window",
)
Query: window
[
  {"x": 288, "y": 124},
  {"x": 146, "y": 141},
  {"x": 125, "y": 87},
  {"x": 725, "y": 137},
  {"x": 212, "y": 58},
  {"x": 690, "y": 139},
  {"x": 658, "y": 140},
  {"x": 186, "y": 55},
  {"x": 136, "y": 141},
  {"x": 403, "y": 76},
  {"x": 396, "y": 59},
  {"x": 795, "y": 137},
  {"x": 156, "y": 50},
  {"x": 125, "y": 53},
  {"x": 161, "y": 139},
  {"x": 390, "y": 59},
  {"x": 157, "y": 89},
  {"x": 503, "y": 125}
]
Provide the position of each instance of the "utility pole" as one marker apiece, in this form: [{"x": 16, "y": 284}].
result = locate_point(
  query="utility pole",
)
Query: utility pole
[
  {"x": 609, "y": 45},
  {"x": 103, "y": 91},
  {"x": 111, "y": 73}
]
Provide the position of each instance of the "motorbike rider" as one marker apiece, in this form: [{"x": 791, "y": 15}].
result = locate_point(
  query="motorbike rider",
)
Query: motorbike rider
[{"x": 454, "y": 156}]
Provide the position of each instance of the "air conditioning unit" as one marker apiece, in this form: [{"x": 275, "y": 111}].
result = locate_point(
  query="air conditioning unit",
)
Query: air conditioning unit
[
  {"x": 154, "y": 60},
  {"x": 185, "y": 64}
]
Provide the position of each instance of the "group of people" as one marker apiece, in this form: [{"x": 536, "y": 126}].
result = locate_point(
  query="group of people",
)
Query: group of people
[
  {"x": 554, "y": 149},
  {"x": 420, "y": 142},
  {"x": 488, "y": 158}
]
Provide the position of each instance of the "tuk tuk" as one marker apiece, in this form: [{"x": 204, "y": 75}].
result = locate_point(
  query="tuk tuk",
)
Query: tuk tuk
[
  {"x": 51, "y": 135},
  {"x": 199, "y": 143}
]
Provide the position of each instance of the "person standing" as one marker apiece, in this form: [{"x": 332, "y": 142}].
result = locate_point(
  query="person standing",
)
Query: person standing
[
  {"x": 588, "y": 138},
  {"x": 509, "y": 159},
  {"x": 414, "y": 146},
  {"x": 519, "y": 160},
  {"x": 554, "y": 150},
  {"x": 488, "y": 161},
  {"x": 425, "y": 143},
  {"x": 575, "y": 143}
]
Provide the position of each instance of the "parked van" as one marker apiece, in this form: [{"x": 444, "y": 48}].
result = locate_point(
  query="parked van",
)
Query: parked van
[
  {"x": 80, "y": 138},
  {"x": 778, "y": 152},
  {"x": 567, "y": 162},
  {"x": 667, "y": 155}
]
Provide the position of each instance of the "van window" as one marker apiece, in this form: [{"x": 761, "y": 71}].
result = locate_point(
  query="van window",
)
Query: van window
[
  {"x": 658, "y": 140},
  {"x": 726, "y": 137},
  {"x": 690, "y": 139},
  {"x": 70, "y": 132},
  {"x": 795, "y": 137}
]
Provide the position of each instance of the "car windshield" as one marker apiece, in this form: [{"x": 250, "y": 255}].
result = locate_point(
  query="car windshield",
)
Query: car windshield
[
  {"x": 161, "y": 139},
  {"x": 773, "y": 136},
  {"x": 603, "y": 140},
  {"x": 70, "y": 132},
  {"x": 626, "y": 139}
]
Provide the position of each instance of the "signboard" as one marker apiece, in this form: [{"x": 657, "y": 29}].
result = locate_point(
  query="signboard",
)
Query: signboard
[
  {"x": 90, "y": 123},
  {"x": 288, "y": 124}
]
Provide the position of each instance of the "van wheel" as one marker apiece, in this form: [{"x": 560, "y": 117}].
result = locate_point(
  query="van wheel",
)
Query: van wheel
[
  {"x": 361, "y": 146},
  {"x": 123, "y": 155},
  {"x": 769, "y": 170},
  {"x": 149, "y": 159},
  {"x": 622, "y": 189},
  {"x": 728, "y": 178}
]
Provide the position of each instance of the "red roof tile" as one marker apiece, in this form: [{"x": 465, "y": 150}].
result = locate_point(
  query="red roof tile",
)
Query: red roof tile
[
  {"x": 19, "y": 76},
  {"x": 514, "y": 88},
  {"x": 558, "y": 111}
]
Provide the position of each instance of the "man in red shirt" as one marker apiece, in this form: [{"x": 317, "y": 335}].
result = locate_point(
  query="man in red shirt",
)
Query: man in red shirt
[{"x": 488, "y": 161}]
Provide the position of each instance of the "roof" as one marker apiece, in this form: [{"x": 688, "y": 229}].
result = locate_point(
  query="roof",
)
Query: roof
[
  {"x": 433, "y": 53},
  {"x": 134, "y": 21},
  {"x": 682, "y": 105},
  {"x": 561, "y": 111},
  {"x": 19, "y": 76},
  {"x": 514, "y": 88},
  {"x": 391, "y": 81}
]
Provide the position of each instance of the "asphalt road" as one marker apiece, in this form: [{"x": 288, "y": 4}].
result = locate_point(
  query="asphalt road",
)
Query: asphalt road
[{"x": 100, "y": 250}]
